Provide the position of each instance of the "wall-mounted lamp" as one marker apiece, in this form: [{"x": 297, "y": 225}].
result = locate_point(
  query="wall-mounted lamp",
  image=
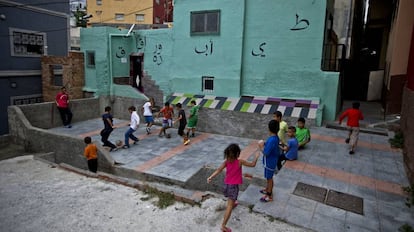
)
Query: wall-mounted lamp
[
  {"x": 2, "y": 17},
  {"x": 13, "y": 85}
]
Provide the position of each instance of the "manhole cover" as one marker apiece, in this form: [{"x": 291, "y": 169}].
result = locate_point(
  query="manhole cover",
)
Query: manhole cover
[
  {"x": 345, "y": 201},
  {"x": 311, "y": 192}
]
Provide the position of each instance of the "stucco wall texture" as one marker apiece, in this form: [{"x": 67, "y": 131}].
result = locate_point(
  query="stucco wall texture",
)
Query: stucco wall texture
[{"x": 264, "y": 48}]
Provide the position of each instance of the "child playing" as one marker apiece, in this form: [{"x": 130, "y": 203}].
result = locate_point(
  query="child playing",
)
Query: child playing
[
  {"x": 233, "y": 178},
  {"x": 168, "y": 113},
  {"x": 192, "y": 119},
  {"x": 354, "y": 115},
  {"x": 283, "y": 127},
  {"x": 302, "y": 133},
  {"x": 133, "y": 126},
  {"x": 183, "y": 121},
  {"x": 291, "y": 149},
  {"x": 147, "y": 112},
  {"x": 108, "y": 128},
  {"x": 271, "y": 153},
  {"x": 91, "y": 154}
]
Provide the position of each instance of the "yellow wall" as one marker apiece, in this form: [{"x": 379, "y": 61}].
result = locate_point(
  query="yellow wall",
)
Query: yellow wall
[{"x": 127, "y": 7}]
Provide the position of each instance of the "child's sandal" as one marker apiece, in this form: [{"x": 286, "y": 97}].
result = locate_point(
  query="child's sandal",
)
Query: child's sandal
[
  {"x": 263, "y": 191},
  {"x": 266, "y": 198}
]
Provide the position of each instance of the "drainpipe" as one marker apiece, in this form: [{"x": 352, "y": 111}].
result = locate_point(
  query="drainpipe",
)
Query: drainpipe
[{"x": 242, "y": 51}]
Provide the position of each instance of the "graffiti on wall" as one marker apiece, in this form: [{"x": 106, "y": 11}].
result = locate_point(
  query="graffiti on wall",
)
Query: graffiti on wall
[
  {"x": 120, "y": 53},
  {"x": 157, "y": 58},
  {"x": 259, "y": 53},
  {"x": 140, "y": 41},
  {"x": 300, "y": 24},
  {"x": 206, "y": 50}
]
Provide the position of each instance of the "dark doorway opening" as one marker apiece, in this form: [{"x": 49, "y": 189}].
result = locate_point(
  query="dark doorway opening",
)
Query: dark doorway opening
[{"x": 136, "y": 72}]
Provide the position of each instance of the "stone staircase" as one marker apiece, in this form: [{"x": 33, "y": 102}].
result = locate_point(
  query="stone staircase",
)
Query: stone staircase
[{"x": 151, "y": 89}]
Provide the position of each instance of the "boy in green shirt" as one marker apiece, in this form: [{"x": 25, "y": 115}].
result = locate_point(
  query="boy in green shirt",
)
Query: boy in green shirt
[
  {"x": 302, "y": 133},
  {"x": 192, "y": 119}
]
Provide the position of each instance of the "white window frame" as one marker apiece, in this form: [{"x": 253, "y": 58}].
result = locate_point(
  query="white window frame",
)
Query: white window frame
[
  {"x": 99, "y": 2},
  {"x": 203, "y": 84},
  {"x": 34, "y": 37},
  {"x": 119, "y": 16},
  {"x": 202, "y": 17},
  {"x": 140, "y": 17}
]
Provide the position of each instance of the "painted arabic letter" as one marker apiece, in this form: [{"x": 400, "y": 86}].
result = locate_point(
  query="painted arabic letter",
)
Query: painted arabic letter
[{"x": 300, "y": 24}]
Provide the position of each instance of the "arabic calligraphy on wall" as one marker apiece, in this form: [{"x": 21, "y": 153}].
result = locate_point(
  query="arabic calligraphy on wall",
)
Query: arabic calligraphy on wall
[
  {"x": 140, "y": 41},
  {"x": 157, "y": 58},
  {"x": 300, "y": 24},
  {"x": 120, "y": 53},
  {"x": 206, "y": 50},
  {"x": 259, "y": 53}
]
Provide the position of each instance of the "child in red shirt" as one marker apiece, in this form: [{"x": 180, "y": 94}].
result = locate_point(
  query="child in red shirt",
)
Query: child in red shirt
[{"x": 354, "y": 115}]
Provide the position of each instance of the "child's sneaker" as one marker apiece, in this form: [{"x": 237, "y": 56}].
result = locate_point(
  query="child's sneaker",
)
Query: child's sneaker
[
  {"x": 266, "y": 198},
  {"x": 136, "y": 142},
  {"x": 186, "y": 141},
  {"x": 148, "y": 130},
  {"x": 125, "y": 147}
]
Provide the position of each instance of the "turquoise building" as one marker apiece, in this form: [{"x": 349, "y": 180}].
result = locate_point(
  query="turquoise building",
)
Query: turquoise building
[{"x": 236, "y": 50}]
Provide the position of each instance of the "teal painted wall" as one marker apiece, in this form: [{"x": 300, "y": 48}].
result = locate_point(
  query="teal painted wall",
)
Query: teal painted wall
[
  {"x": 283, "y": 51},
  {"x": 112, "y": 50},
  {"x": 265, "y": 48},
  {"x": 223, "y": 55},
  {"x": 158, "y": 57}
]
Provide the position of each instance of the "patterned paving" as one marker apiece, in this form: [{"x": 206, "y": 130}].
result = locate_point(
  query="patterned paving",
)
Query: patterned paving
[{"x": 252, "y": 104}]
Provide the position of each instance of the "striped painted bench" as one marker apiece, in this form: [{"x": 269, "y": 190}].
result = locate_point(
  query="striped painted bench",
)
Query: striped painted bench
[{"x": 264, "y": 105}]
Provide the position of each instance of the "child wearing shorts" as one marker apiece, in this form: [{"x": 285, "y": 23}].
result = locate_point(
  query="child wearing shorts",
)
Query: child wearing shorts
[{"x": 233, "y": 179}]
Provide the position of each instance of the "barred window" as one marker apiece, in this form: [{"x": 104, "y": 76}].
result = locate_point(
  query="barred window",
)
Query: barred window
[
  {"x": 27, "y": 43},
  {"x": 205, "y": 22}
]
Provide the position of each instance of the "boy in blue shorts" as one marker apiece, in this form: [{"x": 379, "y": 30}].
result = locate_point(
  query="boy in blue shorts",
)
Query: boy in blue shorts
[
  {"x": 147, "y": 112},
  {"x": 271, "y": 152}
]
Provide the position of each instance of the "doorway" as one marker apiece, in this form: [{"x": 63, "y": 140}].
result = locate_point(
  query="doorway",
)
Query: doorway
[{"x": 136, "y": 66}]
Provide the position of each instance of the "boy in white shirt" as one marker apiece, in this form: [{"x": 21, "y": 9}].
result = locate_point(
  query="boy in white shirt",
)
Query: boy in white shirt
[
  {"x": 147, "y": 112},
  {"x": 133, "y": 126}
]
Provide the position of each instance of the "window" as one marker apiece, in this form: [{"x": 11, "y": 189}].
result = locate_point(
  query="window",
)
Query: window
[
  {"x": 207, "y": 84},
  {"x": 140, "y": 17},
  {"x": 57, "y": 78},
  {"x": 119, "y": 17},
  {"x": 205, "y": 22},
  {"x": 90, "y": 59},
  {"x": 98, "y": 2},
  {"x": 27, "y": 43},
  {"x": 157, "y": 19}
]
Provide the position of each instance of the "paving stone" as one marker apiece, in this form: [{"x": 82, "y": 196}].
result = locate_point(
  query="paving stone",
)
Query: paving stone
[
  {"x": 330, "y": 211},
  {"x": 323, "y": 223}
]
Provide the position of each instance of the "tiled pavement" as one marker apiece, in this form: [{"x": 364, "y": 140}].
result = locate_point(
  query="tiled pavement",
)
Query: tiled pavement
[{"x": 375, "y": 173}]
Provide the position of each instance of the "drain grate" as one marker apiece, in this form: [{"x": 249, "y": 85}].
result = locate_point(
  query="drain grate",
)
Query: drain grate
[
  {"x": 330, "y": 197},
  {"x": 311, "y": 192},
  {"x": 345, "y": 201}
]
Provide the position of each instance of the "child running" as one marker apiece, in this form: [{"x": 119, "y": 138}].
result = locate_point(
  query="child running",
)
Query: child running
[
  {"x": 183, "y": 121},
  {"x": 290, "y": 149},
  {"x": 354, "y": 115},
  {"x": 147, "y": 112},
  {"x": 233, "y": 178},
  {"x": 192, "y": 119},
  {"x": 168, "y": 113},
  {"x": 271, "y": 153}
]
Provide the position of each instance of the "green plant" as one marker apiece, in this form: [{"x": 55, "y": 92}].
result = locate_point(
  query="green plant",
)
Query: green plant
[
  {"x": 164, "y": 199},
  {"x": 406, "y": 228},
  {"x": 410, "y": 199},
  {"x": 409, "y": 202},
  {"x": 398, "y": 140}
]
